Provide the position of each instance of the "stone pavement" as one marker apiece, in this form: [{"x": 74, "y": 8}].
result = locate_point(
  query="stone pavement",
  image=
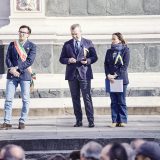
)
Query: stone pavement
[
  {"x": 47, "y": 135},
  {"x": 57, "y": 127}
]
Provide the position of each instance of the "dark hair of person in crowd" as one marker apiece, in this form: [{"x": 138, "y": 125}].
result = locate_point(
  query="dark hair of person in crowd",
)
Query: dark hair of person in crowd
[
  {"x": 57, "y": 157},
  {"x": 75, "y": 155},
  {"x": 120, "y": 37},
  {"x": 117, "y": 152}
]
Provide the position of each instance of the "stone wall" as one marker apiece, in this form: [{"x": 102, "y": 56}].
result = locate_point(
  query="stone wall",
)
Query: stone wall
[
  {"x": 144, "y": 58},
  {"x": 102, "y": 7},
  {"x": 138, "y": 20},
  {"x": 4, "y": 12},
  {"x": 93, "y": 7}
]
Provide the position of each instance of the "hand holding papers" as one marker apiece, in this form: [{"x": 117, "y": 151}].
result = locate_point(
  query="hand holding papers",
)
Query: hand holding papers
[{"x": 116, "y": 86}]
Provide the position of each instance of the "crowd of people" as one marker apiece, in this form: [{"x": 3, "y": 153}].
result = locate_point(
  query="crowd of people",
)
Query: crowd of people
[{"x": 138, "y": 149}]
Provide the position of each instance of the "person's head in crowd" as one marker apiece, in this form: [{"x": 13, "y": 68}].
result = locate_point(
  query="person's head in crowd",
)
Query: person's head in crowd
[
  {"x": 75, "y": 155},
  {"x": 114, "y": 151},
  {"x": 12, "y": 152},
  {"x": 148, "y": 151},
  {"x": 57, "y": 157},
  {"x": 135, "y": 144},
  {"x": 130, "y": 151},
  {"x": 91, "y": 151},
  {"x": 105, "y": 152}
]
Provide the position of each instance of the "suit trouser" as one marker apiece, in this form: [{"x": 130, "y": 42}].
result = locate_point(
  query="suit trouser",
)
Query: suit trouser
[
  {"x": 118, "y": 106},
  {"x": 85, "y": 86}
]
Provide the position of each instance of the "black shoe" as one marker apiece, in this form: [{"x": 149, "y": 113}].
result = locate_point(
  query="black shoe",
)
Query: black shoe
[
  {"x": 78, "y": 124},
  {"x": 91, "y": 124},
  {"x": 21, "y": 125}
]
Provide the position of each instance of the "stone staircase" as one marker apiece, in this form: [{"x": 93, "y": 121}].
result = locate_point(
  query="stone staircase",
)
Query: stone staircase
[
  {"x": 52, "y": 97},
  {"x": 50, "y": 123}
]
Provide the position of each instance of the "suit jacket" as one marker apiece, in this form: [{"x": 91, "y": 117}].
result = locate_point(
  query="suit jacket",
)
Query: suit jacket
[
  {"x": 119, "y": 69},
  {"x": 13, "y": 59},
  {"x": 68, "y": 51}
]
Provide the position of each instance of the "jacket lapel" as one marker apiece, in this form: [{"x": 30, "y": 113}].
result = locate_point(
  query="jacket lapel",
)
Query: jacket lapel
[
  {"x": 111, "y": 57},
  {"x": 15, "y": 52},
  {"x": 27, "y": 46},
  {"x": 80, "y": 55}
]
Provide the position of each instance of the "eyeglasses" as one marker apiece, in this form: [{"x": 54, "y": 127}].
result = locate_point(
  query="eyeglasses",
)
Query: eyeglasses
[{"x": 23, "y": 32}]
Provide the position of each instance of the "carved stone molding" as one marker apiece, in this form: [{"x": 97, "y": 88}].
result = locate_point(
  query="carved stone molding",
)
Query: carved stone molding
[
  {"x": 21, "y": 9},
  {"x": 27, "y": 5}
]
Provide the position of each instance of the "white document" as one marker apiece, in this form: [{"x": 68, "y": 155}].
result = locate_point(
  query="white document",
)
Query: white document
[{"x": 117, "y": 86}]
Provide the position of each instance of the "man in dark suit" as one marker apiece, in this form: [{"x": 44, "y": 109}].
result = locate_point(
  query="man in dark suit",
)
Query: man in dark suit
[
  {"x": 78, "y": 54},
  {"x": 20, "y": 56}
]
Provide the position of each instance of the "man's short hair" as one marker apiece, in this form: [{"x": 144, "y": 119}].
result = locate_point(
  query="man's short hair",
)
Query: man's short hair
[
  {"x": 73, "y": 26},
  {"x": 24, "y": 26},
  {"x": 117, "y": 151},
  {"x": 13, "y": 152},
  {"x": 91, "y": 150},
  {"x": 74, "y": 155}
]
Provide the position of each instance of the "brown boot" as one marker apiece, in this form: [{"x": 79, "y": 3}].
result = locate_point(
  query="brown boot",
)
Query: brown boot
[{"x": 5, "y": 126}]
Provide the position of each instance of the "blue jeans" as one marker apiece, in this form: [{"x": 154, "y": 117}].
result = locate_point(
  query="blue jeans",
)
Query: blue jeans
[
  {"x": 10, "y": 91},
  {"x": 118, "y": 106}
]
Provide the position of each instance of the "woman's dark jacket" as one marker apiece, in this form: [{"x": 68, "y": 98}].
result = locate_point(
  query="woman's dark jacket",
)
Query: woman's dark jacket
[{"x": 118, "y": 68}]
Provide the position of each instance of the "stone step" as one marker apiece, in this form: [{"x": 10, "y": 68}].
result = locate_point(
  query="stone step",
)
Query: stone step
[
  {"x": 96, "y": 92},
  {"x": 54, "y": 85},
  {"x": 63, "y": 106},
  {"x": 47, "y": 135}
]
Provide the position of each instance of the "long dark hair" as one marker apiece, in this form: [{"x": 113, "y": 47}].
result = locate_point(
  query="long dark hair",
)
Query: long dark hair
[
  {"x": 117, "y": 152},
  {"x": 120, "y": 37}
]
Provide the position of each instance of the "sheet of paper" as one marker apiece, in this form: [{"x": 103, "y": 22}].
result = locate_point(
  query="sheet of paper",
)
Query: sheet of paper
[{"x": 117, "y": 86}]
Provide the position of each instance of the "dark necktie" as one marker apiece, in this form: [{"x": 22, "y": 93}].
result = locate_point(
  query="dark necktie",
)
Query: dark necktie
[{"x": 76, "y": 48}]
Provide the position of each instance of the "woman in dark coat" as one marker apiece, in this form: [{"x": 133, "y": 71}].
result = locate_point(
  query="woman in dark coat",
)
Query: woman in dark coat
[{"x": 116, "y": 64}]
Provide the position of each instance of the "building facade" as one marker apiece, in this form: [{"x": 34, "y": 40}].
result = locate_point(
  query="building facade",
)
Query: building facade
[{"x": 50, "y": 20}]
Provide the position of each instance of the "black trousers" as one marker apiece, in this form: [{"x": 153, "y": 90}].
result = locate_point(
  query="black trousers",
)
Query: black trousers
[{"x": 84, "y": 86}]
